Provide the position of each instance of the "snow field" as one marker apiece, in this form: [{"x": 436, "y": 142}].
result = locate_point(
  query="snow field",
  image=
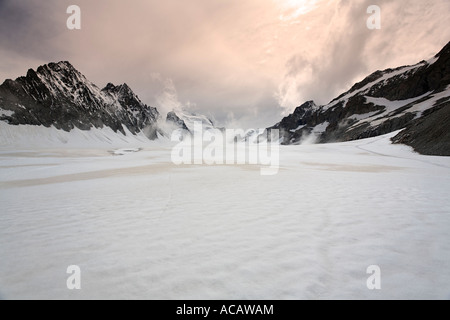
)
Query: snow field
[{"x": 140, "y": 227}]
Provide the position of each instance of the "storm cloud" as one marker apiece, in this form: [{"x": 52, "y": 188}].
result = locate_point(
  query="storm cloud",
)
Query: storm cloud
[{"x": 244, "y": 62}]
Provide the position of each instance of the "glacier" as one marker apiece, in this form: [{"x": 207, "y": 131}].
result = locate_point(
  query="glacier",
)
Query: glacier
[{"x": 140, "y": 227}]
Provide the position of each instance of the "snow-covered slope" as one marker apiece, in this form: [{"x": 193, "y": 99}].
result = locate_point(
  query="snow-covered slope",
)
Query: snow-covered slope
[
  {"x": 40, "y": 137},
  {"x": 190, "y": 118},
  {"x": 383, "y": 102},
  {"x": 382, "y": 78},
  {"x": 140, "y": 227},
  {"x": 58, "y": 95},
  {"x": 187, "y": 121}
]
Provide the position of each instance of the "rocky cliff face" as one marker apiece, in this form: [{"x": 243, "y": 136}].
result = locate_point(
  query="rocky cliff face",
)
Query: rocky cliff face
[
  {"x": 173, "y": 119},
  {"x": 186, "y": 120},
  {"x": 383, "y": 102},
  {"x": 429, "y": 134},
  {"x": 58, "y": 95},
  {"x": 413, "y": 97}
]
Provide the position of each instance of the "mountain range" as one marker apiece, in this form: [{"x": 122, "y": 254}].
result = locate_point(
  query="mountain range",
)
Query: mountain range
[
  {"x": 59, "y": 95},
  {"x": 413, "y": 98}
]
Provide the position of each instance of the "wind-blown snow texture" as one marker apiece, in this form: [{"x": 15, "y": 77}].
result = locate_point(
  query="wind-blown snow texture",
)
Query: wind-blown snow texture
[{"x": 141, "y": 227}]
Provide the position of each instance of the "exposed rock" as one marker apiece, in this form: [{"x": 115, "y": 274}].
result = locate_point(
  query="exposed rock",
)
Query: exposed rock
[
  {"x": 384, "y": 102},
  {"x": 429, "y": 134},
  {"x": 58, "y": 95},
  {"x": 173, "y": 118}
]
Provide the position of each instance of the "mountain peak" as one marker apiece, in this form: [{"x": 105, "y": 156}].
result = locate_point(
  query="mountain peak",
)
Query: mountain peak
[
  {"x": 63, "y": 64},
  {"x": 121, "y": 88},
  {"x": 109, "y": 87},
  {"x": 125, "y": 86},
  {"x": 383, "y": 102},
  {"x": 124, "y": 89},
  {"x": 307, "y": 106},
  {"x": 174, "y": 119},
  {"x": 57, "y": 67},
  {"x": 58, "y": 95}
]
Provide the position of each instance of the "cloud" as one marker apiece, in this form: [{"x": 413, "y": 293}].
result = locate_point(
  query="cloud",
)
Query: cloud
[
  {"x": 238, "y": 60},
  {"x": 166, "y": 99},
  {"x": 293, "y": 9},
  {"x": 345, "y": 50}
]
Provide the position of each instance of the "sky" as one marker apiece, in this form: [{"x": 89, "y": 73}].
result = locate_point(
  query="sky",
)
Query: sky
[{"x": 245, "y": 63}]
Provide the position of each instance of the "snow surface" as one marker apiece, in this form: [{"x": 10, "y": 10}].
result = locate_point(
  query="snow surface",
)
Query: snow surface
[
  {"x": 433, "y": 60},
  {"x": 298, "y": 128},
  {"x": 423, "y": 106},
  {"x": 368, "y": 86},
  {"x": 140, "y": 227},
  {"x": 391, "y": 106},
  {"x": 321, "y": 128},
  {"x": 7, "y": 113}
]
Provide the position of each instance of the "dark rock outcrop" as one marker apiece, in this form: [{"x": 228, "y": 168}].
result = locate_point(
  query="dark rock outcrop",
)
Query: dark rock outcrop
[
  {"x": 430, "y": 134},
  {"x": 173, "y": 118},
  {"x": 58, "y": 95},
  {"x": 383, "y": 102}
]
